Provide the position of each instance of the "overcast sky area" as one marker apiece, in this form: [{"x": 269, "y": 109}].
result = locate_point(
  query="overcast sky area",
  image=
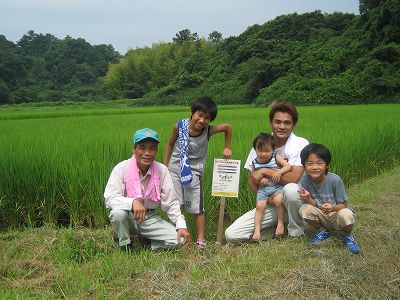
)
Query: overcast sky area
[{"x": 130, "y": 24}]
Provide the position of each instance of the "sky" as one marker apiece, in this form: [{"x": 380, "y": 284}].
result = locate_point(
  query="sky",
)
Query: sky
[{"x": 131, "y": 24}]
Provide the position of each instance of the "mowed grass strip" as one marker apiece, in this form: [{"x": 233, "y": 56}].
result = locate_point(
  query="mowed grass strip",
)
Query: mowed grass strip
[
  {"x": 54, "y": 170},
  {"x": 82, "y": 263}
]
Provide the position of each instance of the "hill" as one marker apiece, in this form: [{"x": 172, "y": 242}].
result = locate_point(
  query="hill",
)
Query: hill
[{"x": 307, "y": 58}]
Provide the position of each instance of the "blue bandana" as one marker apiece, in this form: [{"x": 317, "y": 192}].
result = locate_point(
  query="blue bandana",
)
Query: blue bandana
[{"x": 183, "y": 140}]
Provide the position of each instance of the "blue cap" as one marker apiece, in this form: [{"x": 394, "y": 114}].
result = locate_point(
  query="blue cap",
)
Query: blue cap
[{"x": 145, "y": 133}]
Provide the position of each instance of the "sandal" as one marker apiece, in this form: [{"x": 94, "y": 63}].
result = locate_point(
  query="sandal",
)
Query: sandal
[{"x": 201, "y": 244}]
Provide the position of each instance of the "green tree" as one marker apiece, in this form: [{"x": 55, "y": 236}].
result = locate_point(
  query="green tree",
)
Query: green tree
[
  {"x": 4, "y": 93},
  {"x": 365, "y": 6},
  {"x": 185, "y": 36},
  {"x": 33, "y": 44},
  {"x": 215, "y": 37}
]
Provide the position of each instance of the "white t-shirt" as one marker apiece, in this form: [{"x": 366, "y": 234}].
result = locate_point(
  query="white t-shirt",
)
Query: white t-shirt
[{"x": 290, "y": 151}]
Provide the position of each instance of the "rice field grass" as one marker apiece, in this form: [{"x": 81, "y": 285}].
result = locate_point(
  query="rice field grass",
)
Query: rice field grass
[{"x": 55, "y": 163}]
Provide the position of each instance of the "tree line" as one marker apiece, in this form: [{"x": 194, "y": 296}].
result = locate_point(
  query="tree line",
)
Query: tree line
[
  {"x": 307, "y": 58},
  {"x": 41, "y": 67}
]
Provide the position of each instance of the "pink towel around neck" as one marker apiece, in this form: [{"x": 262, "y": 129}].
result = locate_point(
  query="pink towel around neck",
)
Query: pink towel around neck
[{"x": 133, "y": 185}]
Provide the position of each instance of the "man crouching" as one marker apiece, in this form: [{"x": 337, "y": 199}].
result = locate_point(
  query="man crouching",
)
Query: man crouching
[{"x": 135, "y": 187}]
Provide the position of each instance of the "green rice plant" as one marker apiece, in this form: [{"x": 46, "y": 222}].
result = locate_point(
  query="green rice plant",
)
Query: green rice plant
[{"x": 363, "y": 139}]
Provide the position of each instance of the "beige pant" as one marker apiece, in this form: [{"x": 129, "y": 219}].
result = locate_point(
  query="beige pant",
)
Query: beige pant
[
  {"x": 333, "y": 221},
  {"x": 161, "y": 233}
]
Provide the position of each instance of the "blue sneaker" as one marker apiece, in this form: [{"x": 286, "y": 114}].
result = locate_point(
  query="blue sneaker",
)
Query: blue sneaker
[
  {"x": 351, "y": 244},
  {"x": 319, "y": 237}
]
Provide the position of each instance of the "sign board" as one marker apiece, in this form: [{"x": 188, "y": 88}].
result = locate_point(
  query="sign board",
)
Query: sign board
[{"x": 226, "y": 174}]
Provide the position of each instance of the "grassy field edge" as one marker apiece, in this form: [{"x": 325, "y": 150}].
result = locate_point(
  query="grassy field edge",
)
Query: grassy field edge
[{"x": 71, "y": 263}]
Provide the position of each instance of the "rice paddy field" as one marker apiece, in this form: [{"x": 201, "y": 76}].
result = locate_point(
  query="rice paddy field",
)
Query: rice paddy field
[{"x": 55, "y": 162}]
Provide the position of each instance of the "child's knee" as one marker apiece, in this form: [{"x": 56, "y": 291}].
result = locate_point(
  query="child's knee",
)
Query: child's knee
[
  {"x": 260, "y": 205},
  {"x": 345, "y": 218},
  {"x": 278, "y": 200}
]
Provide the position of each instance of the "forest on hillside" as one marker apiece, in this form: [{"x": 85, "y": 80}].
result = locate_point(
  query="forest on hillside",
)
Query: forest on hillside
[{"x": 310, "y": 58}]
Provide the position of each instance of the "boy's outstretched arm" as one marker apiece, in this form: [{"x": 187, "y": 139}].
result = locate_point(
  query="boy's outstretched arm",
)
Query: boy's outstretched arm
[
  {"x": 226, "y": 152},
  {"x": 170, "y": 145}
]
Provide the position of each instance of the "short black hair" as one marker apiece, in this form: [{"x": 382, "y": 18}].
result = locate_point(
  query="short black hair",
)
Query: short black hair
[
  {"x": 319, "y": 150},
  {"x": 264, "y": 139},
  {"x": 205, "y": 104}
]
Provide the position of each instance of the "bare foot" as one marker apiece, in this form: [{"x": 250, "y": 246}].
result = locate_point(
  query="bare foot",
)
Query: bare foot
[
  {"x": 280, "y": 229},
  {"x": 256, "y": 236}
]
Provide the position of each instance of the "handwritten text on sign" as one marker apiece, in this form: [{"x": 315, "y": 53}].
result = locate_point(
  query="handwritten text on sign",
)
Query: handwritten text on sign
[{"x": 226, "y": 176}]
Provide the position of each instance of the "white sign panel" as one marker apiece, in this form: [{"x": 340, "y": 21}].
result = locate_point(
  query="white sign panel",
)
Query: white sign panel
[{"x": 226, "y": 176}]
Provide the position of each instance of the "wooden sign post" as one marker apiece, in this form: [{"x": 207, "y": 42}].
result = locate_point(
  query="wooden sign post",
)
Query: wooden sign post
[
  {"x": 226, "y": 175},
  {"x": 221, "y": 220}
]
